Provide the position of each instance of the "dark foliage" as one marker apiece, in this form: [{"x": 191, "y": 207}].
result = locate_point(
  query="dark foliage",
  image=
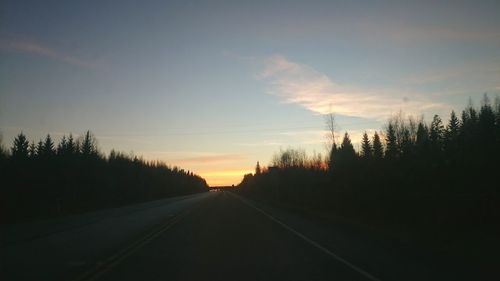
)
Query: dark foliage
[
  {"x": 73, "y": 176},
  {"x": 426, "y": 176}
]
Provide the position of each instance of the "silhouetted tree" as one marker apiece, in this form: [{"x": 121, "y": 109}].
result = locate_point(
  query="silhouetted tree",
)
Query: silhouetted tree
[
  {"x": 487, "y": 121},
  {"x": 3, "y": 150},
  {"x": 407, "y": 142},
  {"x": 451, "y": 133},
  {"x": 497, "y": 118},
  {"x": 257, "y": 168},
  {"x": 32, "y": 150},
  {"x": 366, "y": 147},
  {"x": 43, "y": 183},
  {"x": 290, "y": 158},
  {"x": 453, "y": 127},
  {"x": 330, "y": 126},
  {"x": 378, "y": 149},
  {"x": 20, "y": 147},
  {"x": 61, "y": 147},
  {"x": 71, "y": 146},
  {"x": 48, "y": 147},
  {"x": 422, "y": 137},
  {"x": 345, "y": 155},
  {"x": 469, "y": 121},
  {"x": 391, "y": 151},
  {"x": 88, "y": 146},
  {"x": 436, "y": 133},
  {"x": 431, "y": 178},
  {"x": 39, "y": 148}
]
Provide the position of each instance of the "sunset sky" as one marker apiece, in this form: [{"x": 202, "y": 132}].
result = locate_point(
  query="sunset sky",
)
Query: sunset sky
[{"x": 215, "y": 86}]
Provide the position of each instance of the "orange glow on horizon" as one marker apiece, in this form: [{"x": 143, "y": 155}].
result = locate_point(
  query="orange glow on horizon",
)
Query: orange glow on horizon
[{"x": 224, "y": 178}]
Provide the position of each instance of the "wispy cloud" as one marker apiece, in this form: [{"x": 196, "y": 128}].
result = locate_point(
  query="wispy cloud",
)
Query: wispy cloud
[
  {"x": 303, "y": 85},
  {"x": 487, "y": 72},
  {"x": 401, "y": 33},
  {"x": 210, "y": 159},
  {"x": 38, "y": 49}
]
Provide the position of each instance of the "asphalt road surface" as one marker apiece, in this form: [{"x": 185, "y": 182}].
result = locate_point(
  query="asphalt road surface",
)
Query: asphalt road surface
[{"x": 210, "y": 236}]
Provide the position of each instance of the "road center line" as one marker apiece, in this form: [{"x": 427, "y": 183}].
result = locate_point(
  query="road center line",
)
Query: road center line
[
  {"x": 308, "y": 240},
  {"x": 102, "y": 268}
]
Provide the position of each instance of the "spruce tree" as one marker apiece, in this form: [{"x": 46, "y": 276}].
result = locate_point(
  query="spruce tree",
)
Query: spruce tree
[
  {"x": 436, "y": 133},
  {"x": 32, "y": 150},
  {"x": 391, "y": 142},
  {"x": 88, "y": 146},
  {"x": 366, "y": 147},
  {"x": 347, "y": 146},
  {"x": 451, "y": 134},
  {"x": 487, "y": 120},
  {"x": 333, "y": 153},
  {"x": 346, "y": 154},
  {"x": 71, "y": 145},
  {"x": 39, "y": 148},
  {"x": 407, "y": 144},
  {"x": 422, "y": 141},
  {"x": 453, "y": 127},
  {"x": 20, "y": 147},
  {"x": 48, "y": 147},
  {"x": 62, "y": 146},
  {"x": 378, "y": 149}
]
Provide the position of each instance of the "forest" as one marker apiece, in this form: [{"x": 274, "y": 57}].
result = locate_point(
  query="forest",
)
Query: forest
[
  {"x": 410, "y": 176},
  {"x": 45, "y": 179}
]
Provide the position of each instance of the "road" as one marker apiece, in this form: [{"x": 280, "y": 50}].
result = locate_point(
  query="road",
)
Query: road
[{"x": 210, "y": 236}]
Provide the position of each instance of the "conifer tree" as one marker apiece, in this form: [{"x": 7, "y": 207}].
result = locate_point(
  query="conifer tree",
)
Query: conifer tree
[
  {"x": 436, "y": 133},
  {"x": 39, "y": 148},
  {"x": 366, "y": 147},
  {"x": 20, "y": 147},
  {"x": 88, "y": 146},
  {"x": 487, "y": 121},
  {"x": 345, "y": 154},
  {"x": 452, "y": 133},
  {"x": 391, "y": 142},
  {"x": 378, "y": 149},
  {"x": 407, "y": 143},
  {"x": 48, "y": 147},
  {"x": 453, "y": 127},
  {"x": 32, "y": 150},
  {"x": 62, "y": 146},
  {"x": 347, "y": 146},
  {"x": 71, "y": 145}
]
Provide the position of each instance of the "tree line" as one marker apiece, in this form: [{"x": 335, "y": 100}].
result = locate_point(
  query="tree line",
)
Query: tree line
[
  {"x": 46, "y": 179},
  {"x": 411, "y": 174}
]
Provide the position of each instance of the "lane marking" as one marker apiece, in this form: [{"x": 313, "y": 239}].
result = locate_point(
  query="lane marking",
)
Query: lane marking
[
  {"x": 103, "y": 267},
  {"x": 308, "y": 240}
]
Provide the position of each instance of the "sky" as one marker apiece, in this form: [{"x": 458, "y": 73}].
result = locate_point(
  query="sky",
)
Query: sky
[{"x": 215, "y": 86}]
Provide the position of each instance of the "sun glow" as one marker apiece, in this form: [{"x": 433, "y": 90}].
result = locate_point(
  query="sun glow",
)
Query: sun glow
[{"x": 226, "y": 177}]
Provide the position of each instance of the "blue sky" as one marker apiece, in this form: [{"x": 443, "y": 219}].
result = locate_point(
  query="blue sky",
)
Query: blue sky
[{"x": 215, "y": 86}]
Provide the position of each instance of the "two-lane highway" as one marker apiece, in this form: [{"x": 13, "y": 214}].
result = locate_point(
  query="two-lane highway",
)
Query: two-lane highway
[
  {"x": 225, "y": 239},
  {"x": 213, "y": 236}
]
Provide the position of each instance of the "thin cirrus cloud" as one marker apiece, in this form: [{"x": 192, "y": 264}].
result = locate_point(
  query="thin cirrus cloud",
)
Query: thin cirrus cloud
[
  {"x": 37, "y": 49},
  {"x": 301, "y": 84},
  {"x": 210, "y": 159}
]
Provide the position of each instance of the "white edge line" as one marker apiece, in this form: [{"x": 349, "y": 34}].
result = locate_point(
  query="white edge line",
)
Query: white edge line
[{"x": 312, "y": 242}]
